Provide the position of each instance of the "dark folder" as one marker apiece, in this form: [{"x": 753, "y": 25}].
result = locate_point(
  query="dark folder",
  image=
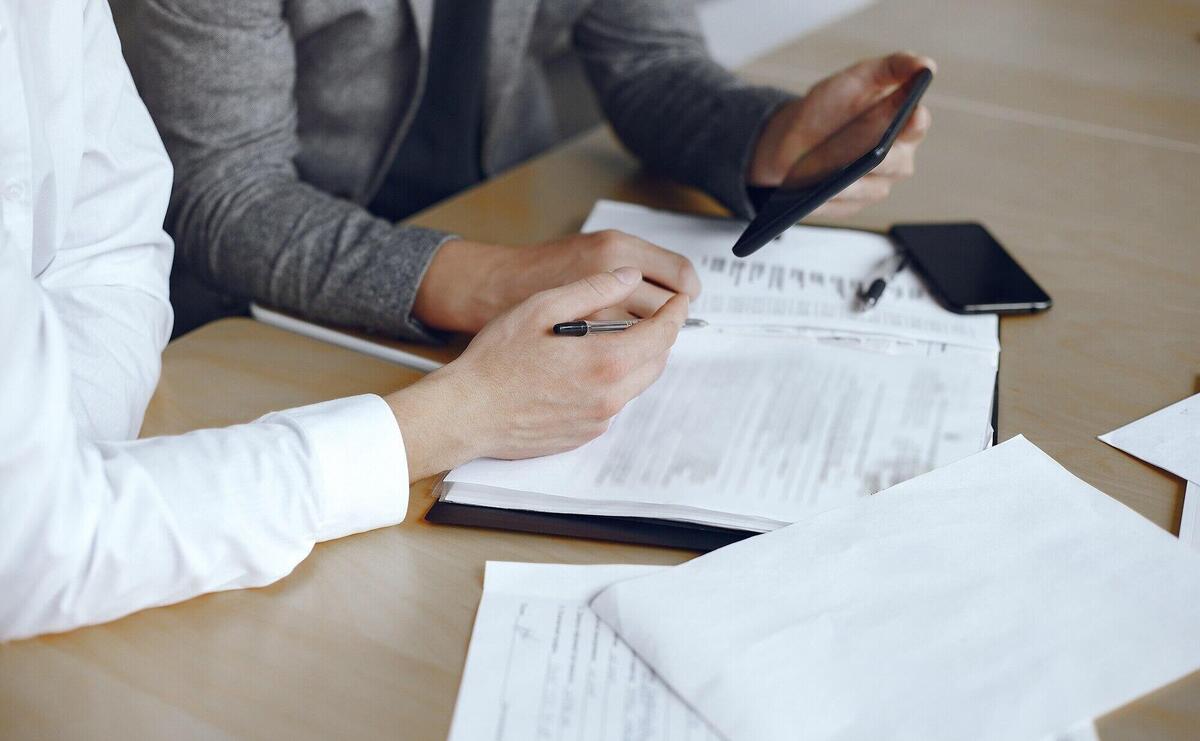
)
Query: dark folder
[{"x": 636, "y": 530}]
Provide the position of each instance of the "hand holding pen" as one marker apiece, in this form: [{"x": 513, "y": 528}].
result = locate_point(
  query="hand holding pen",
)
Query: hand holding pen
[{"x": 518, "y": 390}]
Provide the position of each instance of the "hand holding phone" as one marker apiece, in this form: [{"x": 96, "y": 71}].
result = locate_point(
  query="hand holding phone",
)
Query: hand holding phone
[{"x": 834, "y": 164}]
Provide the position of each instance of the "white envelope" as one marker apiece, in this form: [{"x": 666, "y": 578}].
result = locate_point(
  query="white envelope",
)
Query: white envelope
[
  {"x": 1169, "y": 438},
  {"x": 998, "y": 597}
]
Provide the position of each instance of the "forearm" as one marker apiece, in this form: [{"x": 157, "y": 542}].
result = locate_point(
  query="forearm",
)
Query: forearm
[
  {"x": 669, "y": 102},
  {"x": 704, "y": 130},
  {"x": 109, "y": 529},
  {"x": 438, "y": 416},
  {"x": 220, "y": 79},
  {"x": 274, "y": 239},
  {"x": 90, "y": 531}
]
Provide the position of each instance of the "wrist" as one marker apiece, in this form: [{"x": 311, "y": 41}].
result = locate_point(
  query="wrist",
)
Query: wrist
[
  {"x": 436, "y": 418},
  {"x": 768, "y": 165},
  {"x": 460, "y": 291}
]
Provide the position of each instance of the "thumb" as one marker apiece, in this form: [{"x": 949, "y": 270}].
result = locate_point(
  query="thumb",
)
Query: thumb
[{"x": 588, "y": 295}]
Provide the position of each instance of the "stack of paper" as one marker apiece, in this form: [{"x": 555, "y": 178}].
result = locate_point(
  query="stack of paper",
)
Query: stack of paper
[
  {"x": 1170, "y": 439},
  {"x": 996, "y": 598},
  {"x": 789, "y": 403}
]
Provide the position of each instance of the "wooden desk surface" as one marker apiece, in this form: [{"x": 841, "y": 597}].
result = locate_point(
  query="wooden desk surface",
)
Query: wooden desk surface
[{"x": 1072, "y": 131}]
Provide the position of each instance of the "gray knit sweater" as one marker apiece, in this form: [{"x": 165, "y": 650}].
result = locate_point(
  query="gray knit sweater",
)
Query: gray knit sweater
[{"x": 281, "y": 118}]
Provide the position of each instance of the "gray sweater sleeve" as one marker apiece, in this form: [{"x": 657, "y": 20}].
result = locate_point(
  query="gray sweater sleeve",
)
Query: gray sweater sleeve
[
  {"x": 679, "y": 111},
  {"x": 219, "y": 79}
]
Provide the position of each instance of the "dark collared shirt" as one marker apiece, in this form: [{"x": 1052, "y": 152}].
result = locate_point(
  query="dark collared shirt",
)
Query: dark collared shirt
[{"x": 441, "y": 153}]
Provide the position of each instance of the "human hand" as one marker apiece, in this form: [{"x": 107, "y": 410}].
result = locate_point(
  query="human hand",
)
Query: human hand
[
  {"x": 800, "y": 125},
  {"x": 519, "y": 391},
  {"x": 469, "y": 283}
]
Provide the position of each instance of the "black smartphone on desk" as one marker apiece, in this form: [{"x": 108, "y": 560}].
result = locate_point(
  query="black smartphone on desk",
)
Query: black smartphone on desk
[{"x": 967, "y": 270}]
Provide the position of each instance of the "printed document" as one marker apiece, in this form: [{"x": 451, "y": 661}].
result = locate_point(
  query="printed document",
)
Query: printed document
[
  {"x": 790, "y": 402},
  {"x": 996, "y": 598},
  {"x": 541, "y": 666},
  {"x": 808, "y": 279},
  {"x": 752, "y": 432}
]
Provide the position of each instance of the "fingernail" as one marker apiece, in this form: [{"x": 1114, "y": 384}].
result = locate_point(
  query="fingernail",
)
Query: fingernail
[{"x": 628, "y": 275}]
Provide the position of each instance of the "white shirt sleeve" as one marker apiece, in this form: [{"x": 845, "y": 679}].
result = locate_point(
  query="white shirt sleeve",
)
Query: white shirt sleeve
[
  {"x": 91, "y": 531},
  {"x": 93, "y": 525},
  {"x": 108, "y": 279}
]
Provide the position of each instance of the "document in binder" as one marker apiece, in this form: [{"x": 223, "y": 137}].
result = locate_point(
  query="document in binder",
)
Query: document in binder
[{"x": 790, "y": 401}]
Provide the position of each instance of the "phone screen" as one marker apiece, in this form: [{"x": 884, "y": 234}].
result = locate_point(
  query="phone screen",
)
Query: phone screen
[
  {"x": 833, "y": 165},
  {"x": 877, "y": 126},
  {"x": 968, "y": 270}
]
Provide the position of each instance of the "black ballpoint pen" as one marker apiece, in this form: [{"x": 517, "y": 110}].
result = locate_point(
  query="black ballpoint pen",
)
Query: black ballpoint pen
[
  {"x": 581, "y": 327},
  {"x": 872, "y": 292}
]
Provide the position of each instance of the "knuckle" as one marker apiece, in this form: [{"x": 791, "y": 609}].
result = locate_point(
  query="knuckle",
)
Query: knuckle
[
  {"x": 608, "y": 406},
  {"x": 689, "y": 281},
  {"x": 609, "y": 244},
  {"x": 539, "y": 304},
  {"x": 597, "y": 411},
  {"x": 594, "y": 430}
]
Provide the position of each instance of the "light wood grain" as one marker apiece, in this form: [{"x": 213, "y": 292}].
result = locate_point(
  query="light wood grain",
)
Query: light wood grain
[{"x": 1071, "y": 129}]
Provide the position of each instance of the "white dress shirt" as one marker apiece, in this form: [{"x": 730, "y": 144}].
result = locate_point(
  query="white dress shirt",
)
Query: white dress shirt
[{"x": 93, "y": 524}]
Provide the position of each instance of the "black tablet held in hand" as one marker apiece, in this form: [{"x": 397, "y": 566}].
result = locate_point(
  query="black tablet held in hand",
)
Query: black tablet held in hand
[
  {"x": 848, "y": 154},
  {"x": 967, "y": 270}
]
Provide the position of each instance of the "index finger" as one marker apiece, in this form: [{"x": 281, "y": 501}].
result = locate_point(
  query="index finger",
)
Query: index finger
[
  {"x": 884, "y": 72},
  {"x": 649, "y": 338},
  {"x": 668, "y": 269}
]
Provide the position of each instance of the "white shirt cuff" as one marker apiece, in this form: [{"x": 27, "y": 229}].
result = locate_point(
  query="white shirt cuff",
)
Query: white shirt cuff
[{"x": 360, "y": 452}]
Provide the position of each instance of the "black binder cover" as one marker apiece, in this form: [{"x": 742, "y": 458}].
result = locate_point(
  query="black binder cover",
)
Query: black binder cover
[{"x": 635, "y": 530}]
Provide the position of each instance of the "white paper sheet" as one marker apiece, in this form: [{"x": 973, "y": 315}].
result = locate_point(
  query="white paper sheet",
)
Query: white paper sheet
[
  {"x": 343, "y": 339},
  {"x": 808, "y": 278},
  {"x": 1169, "y": 438},
  {"x": 1189, "y": 523},
  {"x": 541, "y": 666},
  {"x": 995, "y": 598},
  {"x": 755, "y": 432}
]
